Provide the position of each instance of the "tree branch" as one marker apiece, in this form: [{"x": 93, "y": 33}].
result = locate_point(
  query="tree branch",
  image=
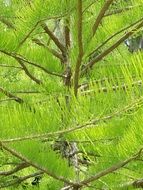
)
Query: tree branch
[
  {"x": 92, "y": 122},
  {"x": 117, "y": 11},
  {"x": 20, "y": 166},
  {"x": 135, "y": 184},
  {"x": 20, "y": 57},
  {"x": 67, "y": 32},
  {"x": 114, "y": 88},
  {"x": 39, "y": 22},
  {"x": 52, "y": 51},
  {"x": 111, "y": 48},
  {"x": 114, "y": 35},
  {"x": 112, "y": 168},
  {"x": 20, "y": 179},
  {"x": 28, "y": 73},
  {"x": 21, "y": 157},
  {"x": 84, "y": 11},
  {"x": 54, "y": 38},
  {"x": 101, "y": 16},
  {"x": 7, "y": 22},
  {"x": 10, "y": 95}
]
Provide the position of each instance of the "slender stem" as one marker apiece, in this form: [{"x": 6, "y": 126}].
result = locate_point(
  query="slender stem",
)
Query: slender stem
[
  {"x": 39, "y": 22},
  {"x": 10, "y": 95},
  {"x": 28, "y": 73},
  {"x": 19, "y": 167},
  {"x": 112, "y": 168},
  {"x": 101, "y": 16},
  {"x": 117, "y": 11},
  {"x": 67, "y": 32},
  {"x": 10, "y": 66},
  {"x": 20, "y": 179},
  {"x": 52, "y": 51},
  {"x": 53, "y": 37},
  {"x": 80, "y": 46},
  {"x": 7, "y": 22}
]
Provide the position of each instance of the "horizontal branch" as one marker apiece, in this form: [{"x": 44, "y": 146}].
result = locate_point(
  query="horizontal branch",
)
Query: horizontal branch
[
  {"x": 20, "y": 57},
  {"x": 83, "y": 141},
  {"x": 19, "y": 167},
  {"x": 27, "y": 92},
  {"x": 86, "y": 85},
  {"x": 7, "y": 99},
  {"x": 92, "y": 122},
  {"x": 10, "y": 66}
]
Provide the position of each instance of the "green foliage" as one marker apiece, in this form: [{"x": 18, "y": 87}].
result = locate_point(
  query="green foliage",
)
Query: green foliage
[{"x": 104, "y": 121}]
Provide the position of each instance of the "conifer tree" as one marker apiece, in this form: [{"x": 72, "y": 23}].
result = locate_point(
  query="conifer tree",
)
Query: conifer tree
[{"x": 71, "y": 98}]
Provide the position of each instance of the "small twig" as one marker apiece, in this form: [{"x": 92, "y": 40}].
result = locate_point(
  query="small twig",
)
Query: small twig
[
  {"x": 27, "y": 92},
  {"x": 82, "y": 152},
  {"x": 20, "y": 166},
  {"x": 52, "y": 51},
  {"x": 110, "y": 13},
  {"x": 10, "y": 95},
  {"x": 134, "y": 184},
  {"x": 67, "y": 32},
  {"x": 7, "y": 99},
  {"x": 7, "y": 22},
  {"x": 88, "y": 6},
  {"x": 20, "y": 179},
  {"x": 28, "y": 73},
  {"x": 11, "y": 66},
  {"x": 86, "y": 85},
  {"x": 39, "y": 22},
  {"x": 83, "y": 141}
]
